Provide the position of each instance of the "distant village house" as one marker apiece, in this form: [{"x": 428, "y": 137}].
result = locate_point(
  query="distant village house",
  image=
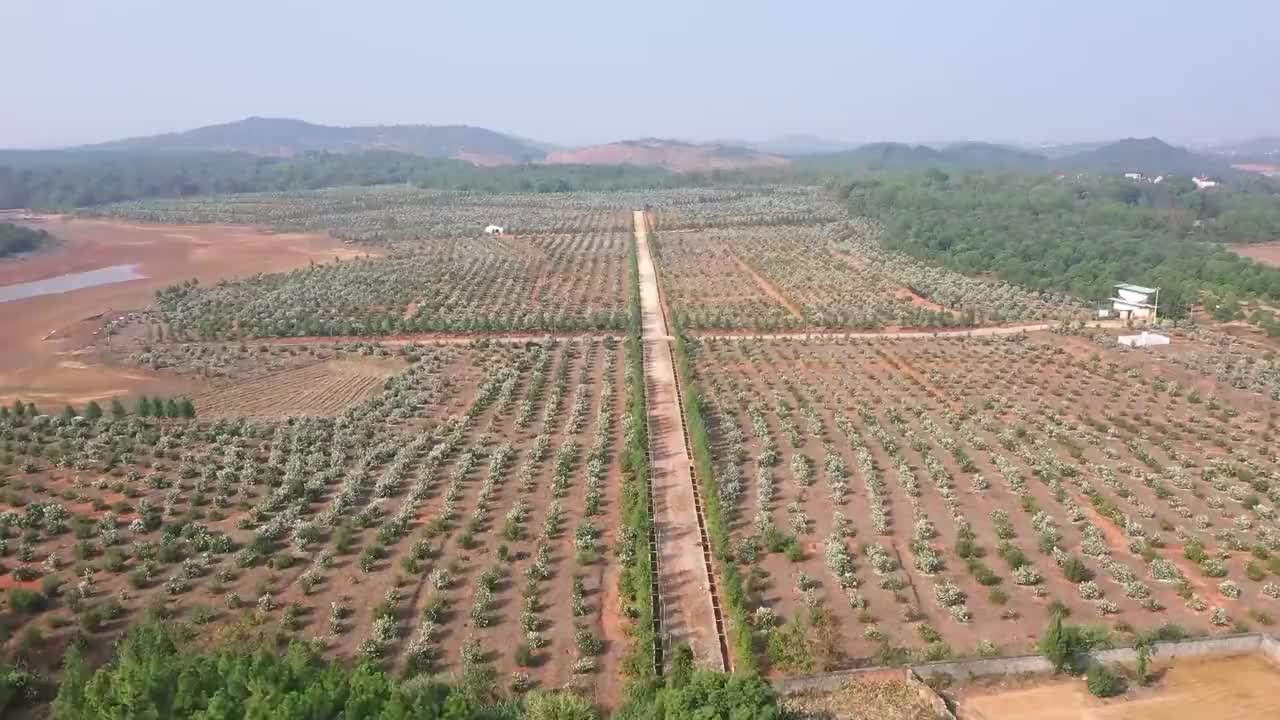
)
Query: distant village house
[
  {"x": 494, "y": 230},
  {"x": 1133, "y": 302}
]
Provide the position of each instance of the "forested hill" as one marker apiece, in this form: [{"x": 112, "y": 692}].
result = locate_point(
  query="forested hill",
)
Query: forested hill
[
  {"x": 891, "y": 156},
  {"x": 1082, "y": 236},
  {"x": 16, "y": 239},
  {"x": 285, "y": 137},
  {"x": 1149, "y": 156}
]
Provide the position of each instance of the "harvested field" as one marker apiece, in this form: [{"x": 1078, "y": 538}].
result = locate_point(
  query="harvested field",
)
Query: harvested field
[
  {"x": 51, "y": 355},
  {"x": 325, "y": 388},
  {"x": 924, "y": 497},
  {"x": 1241, "y": 688}
]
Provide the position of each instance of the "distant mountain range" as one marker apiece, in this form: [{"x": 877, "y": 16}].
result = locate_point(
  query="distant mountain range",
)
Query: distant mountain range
[
  {"x": 285, "y": 137},
  {"x": 1149, "y": 156},
  {"x": 901, "y": 156},
  {"x": 799, "y": 145}
]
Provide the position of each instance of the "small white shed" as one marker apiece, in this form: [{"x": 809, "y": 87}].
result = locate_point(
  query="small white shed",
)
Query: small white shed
[
  {"x": 1146, "y": 339},
  {"x": 494, "y": 230}
]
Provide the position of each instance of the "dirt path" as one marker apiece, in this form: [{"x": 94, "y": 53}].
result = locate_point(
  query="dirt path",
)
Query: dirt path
[
  {"x": 971, "y": 332},
  {"x": 682, "y": 580},
  {"x": 765, "y": 285}
]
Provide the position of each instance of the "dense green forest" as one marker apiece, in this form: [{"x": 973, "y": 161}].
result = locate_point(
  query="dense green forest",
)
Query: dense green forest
[
  {"x": 68, "y": 179},
  {"x": 16, "y": 239},
  {"x": 163, "y": 669},
  {"x": 1081, "y": 235}
]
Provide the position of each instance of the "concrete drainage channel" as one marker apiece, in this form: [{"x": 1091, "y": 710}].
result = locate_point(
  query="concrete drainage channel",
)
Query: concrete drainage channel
[
  {"x": 662, "y": 628},
  {"x": 659, "y": 610}
]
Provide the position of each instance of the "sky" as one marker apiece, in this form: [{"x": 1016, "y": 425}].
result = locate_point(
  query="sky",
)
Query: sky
[{"x": 571, "y": 72}]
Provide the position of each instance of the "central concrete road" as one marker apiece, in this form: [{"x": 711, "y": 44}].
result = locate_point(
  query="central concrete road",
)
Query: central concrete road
[{"x": 687, "y": 614}]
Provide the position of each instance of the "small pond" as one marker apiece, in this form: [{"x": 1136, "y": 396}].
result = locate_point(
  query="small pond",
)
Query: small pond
[{"x": 69, "y": 282}]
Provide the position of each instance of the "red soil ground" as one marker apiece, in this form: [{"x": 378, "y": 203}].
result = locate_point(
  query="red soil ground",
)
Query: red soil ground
[
  {"x": 1265, "y": 253},
  {"x": 66, "y": 367}
]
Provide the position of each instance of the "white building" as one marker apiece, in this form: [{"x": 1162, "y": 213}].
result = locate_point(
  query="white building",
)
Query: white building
[
  {"x": 1134, "y": 302},
  {"x": 494, "y": 230},
  {"x": 1203, "y": 183},
  {"x": 1133, "y": 175}
]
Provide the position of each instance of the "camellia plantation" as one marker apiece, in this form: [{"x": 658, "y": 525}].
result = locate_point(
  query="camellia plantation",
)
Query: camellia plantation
[{"x": 651, "y": 450}]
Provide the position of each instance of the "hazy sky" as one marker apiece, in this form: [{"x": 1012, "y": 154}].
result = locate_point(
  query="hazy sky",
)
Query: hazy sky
[{"x": 597, "y": 70}]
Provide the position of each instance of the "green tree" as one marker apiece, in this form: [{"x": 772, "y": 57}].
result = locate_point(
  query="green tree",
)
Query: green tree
[
  {"x": 721, "y": 696},
  {"x": 117, "y": 409},
  {"x": 1144, "y": 647},
  {"x": 93, "y": 410},
  {"x": 1060, "y": 643},
  {"x": 1102, "y": 682},
  {"x": 186, "y": 408},
  {"x": 143, "y": 408}
]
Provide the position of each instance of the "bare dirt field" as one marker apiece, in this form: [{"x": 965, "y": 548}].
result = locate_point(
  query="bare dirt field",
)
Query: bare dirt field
[
  {"x": 1240, "y": 688},
  {"x": 1267, "y": 169},
  {"x": 1265, "y": 253},
  {"x": 49, "y": 356}
]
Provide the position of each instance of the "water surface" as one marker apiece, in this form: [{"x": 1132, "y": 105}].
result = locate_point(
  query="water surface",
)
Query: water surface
[{"x": 69, "y": 282}]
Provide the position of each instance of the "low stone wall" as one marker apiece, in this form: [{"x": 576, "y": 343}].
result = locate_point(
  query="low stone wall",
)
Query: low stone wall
[
  {"x": 1243, "y": 644},
  {"x": 984, "y": 667}
]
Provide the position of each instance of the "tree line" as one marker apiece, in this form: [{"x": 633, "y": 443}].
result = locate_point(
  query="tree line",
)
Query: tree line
[
  {"x": 144, "y": 406},
  {"x": 15, "y": 239},
  {"x": 59, "y": 180},
  {"x": 1081, "y": 235},
  {"x": 161, "y": 670}
]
